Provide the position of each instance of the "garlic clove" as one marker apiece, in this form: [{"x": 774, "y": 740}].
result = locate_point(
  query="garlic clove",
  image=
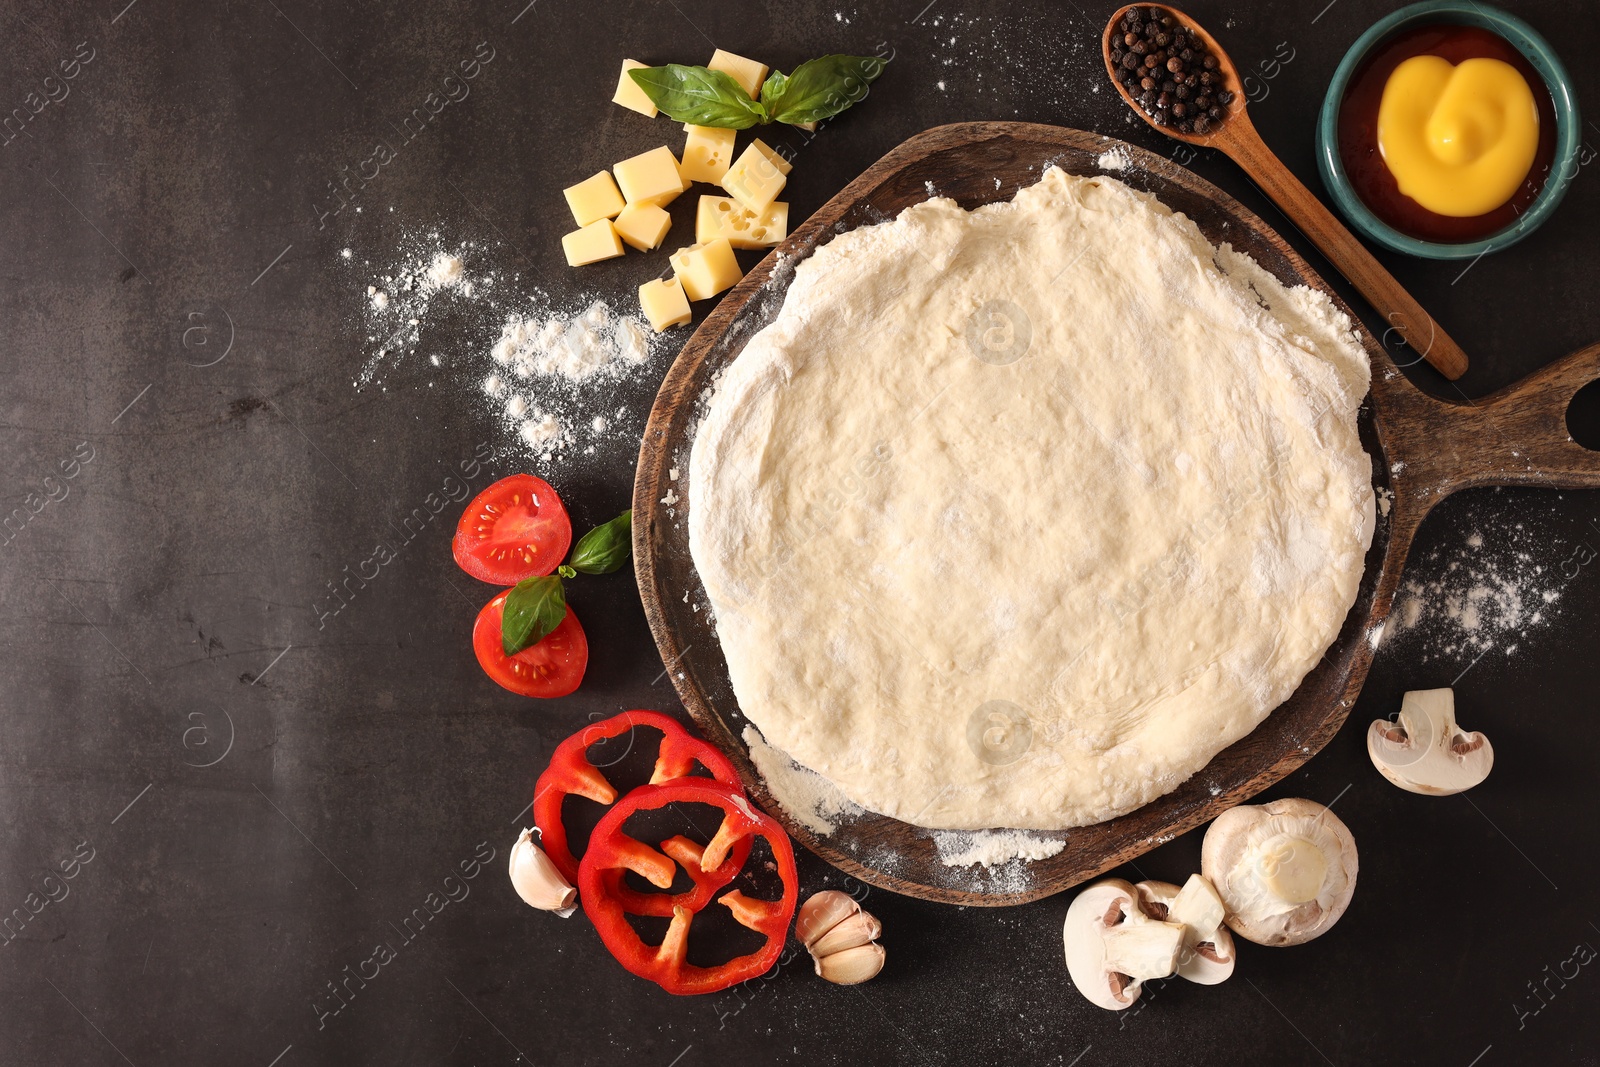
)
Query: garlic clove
[
  {"x": 822, "y": 912},
  {"x": 854, "y": 965},
  {"x": 853, "y": 932},
  {"x": 536, "y": 879}
]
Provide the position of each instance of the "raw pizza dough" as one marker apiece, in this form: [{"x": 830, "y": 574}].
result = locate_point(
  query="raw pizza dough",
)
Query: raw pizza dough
[{"x": 1016, "y": 517}]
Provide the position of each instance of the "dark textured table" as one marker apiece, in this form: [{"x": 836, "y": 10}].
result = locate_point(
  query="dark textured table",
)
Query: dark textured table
[{"x": 217, "y": 799}]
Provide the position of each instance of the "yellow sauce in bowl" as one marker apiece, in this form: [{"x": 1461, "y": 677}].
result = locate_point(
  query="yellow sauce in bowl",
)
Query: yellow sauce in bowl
[{"x": 1458, "y": 138}]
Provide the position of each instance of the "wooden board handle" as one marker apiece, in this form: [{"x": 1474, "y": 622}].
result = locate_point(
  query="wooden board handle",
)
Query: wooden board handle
[
  {"x": 1398, "y": 308},
  {"x": 1517, "y": 436}
]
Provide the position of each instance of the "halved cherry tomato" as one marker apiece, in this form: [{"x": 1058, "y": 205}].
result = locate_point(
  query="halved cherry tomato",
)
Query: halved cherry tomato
[
  {"x": 515, "y": 529},
  {"x": 551, "y": 668}
]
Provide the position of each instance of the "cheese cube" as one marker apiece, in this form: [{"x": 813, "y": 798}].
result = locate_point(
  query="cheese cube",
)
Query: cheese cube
[
  {"x": 594, "y": 242},
  {"x": 721, "y": 216},
  {"x": 629, "y": 95},
  {"x": 650, "y": 177},
  {"x": 644, "y": 226},
  {"x": 707, "y": 154},
  {"x": 594, "y": 198},
  {"x": 706, "y": 269},
  {"x": 756, "y": 177},
  {"x": 747, "y": 72},
  {"x": 663, "y": 303},
  {"x": 772, "y": 155}
]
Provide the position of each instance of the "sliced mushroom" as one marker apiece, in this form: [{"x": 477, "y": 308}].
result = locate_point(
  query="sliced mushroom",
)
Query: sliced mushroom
[
  {"x": 1112, "y": 946},
  {"x": 1207, "y": 956},
  {"x": 1426, "y": 752},
  {"x": 1285, "y": 871}
]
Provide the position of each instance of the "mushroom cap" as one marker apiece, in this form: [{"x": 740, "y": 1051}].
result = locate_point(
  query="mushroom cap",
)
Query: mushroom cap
[
  {"x": 1091, "y": 913},
  {"x": 1425, "y": 751},
  {"x": 1207, "y": 959},
  {"x": 1286, "y": 870}
]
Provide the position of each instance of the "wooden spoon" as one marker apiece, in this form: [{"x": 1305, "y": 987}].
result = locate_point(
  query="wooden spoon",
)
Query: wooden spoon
[{"x": 1236, "y": 137}]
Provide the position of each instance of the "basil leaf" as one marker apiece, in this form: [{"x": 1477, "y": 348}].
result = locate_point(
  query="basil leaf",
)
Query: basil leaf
[
  {"x": 699, "y": 96},
  {"x": 534, "y": 608},
  {"x": 772, "y": 88},
  {"x": 821, "y": 88},
  {"x": 604, "y": 548}
]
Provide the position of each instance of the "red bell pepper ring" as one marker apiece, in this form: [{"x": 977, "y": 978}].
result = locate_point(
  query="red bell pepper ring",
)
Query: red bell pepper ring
[
  {"x": 571, "y": 772},
  {"x": 611, "y": 851},
  {"x": 648, "y": 864}
]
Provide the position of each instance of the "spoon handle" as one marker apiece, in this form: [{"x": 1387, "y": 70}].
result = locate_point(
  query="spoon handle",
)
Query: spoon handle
[{"x": 1398, "y": 308}]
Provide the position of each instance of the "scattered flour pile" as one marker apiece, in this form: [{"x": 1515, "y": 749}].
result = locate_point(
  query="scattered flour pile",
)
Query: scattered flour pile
[
  {"x": 548, "y": 372},
  {"x": 991, "y": 848},
  {"x": 540, "y": 361},
  {"x": 401, "y": 299},
  {"x": 1490, "y": 590}
]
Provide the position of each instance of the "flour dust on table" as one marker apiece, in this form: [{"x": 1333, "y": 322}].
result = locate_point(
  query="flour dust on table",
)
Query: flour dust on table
[
  {"x": 547, "y": 369},
  {"x": 1489, "y": 589}
]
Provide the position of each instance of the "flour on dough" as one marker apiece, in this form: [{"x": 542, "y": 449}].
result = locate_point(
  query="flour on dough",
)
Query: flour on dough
[{"x": 1016, "y": 517}]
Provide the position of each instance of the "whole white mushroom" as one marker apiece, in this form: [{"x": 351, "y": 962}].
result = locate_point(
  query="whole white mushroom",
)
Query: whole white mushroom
[{"x": 1285, "y": 870}]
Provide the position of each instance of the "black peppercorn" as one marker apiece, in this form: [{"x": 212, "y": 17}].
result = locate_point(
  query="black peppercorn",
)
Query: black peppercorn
[{"x": 1168, "y": 71}]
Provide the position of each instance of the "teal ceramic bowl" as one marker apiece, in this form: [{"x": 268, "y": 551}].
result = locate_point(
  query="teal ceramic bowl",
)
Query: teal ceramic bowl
[{"x": 1522, "y": 37}]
